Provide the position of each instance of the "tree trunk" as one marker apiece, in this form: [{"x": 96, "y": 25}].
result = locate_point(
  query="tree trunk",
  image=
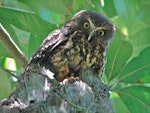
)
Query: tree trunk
[{"x": 36, "y": 93}]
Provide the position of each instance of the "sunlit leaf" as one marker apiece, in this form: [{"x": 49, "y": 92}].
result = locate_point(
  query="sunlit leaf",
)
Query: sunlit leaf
[
  {"x": 118, "y": 54},
  {"x": 118, "y": 103},
  {"x": 136, "y": 98},
  {"x": 138, "y": 69}
]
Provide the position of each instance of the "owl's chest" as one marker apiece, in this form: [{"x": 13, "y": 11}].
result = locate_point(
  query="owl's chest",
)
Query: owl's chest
[
  {"x": 77, "y": 56},
  {"x": 86, "y": 56},
  {"x": 95, "y": 59}
]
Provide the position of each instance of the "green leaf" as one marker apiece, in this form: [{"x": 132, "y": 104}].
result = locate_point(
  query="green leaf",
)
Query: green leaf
[
  {"x": 51, "y": 5},
  {"x": 14, "y": 5},
  {"x": 136, "y": 98},
  {"x": 34, "y": 43},
  {"x": 2, "y": 61},
  {"x": 47, "y": 10},
  {"x": 144, "y": 11},
  {"x": 140, "y": 40},
  {"x": 5, "y": 86},
  {"x": 55, "y": 5},
  {"x": 118, "y": 103},
  {"x": 23, "y": 38},
  {"x": 138, "y": 69},
  {"x": 27, "y": 21},
  {"x": 86, "y": 4},
  {"x": 111, "y": 11},
  {"x": 127, "y": 10},
  {"x": 118, "y": 54}
]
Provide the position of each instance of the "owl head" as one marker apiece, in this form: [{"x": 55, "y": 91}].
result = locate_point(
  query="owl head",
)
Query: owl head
[{"x": 94, "y": 25}]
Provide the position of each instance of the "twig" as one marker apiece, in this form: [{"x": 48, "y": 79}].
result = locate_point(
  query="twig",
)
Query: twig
[
  {"x": 10, "y": 73},
  {"x": 12, "y": 47}
]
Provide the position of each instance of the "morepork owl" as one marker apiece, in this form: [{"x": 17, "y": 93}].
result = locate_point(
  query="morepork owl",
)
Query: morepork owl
[{"x": 79, "y": 45}]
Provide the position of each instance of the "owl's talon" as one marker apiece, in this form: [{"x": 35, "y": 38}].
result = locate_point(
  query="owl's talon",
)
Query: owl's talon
[{"x": 71, "y": 79}]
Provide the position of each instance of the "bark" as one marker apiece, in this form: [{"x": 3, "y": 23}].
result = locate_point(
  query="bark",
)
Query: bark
[{"x": 37, "y": 93}]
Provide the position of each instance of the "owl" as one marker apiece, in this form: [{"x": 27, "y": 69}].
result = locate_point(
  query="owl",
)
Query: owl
[{"x": 79, "y": 45}]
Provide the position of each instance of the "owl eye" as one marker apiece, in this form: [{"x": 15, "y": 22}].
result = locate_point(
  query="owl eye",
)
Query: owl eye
[
  {"x": 86, "y": 25},
  {"x": 100, "y": 32}
]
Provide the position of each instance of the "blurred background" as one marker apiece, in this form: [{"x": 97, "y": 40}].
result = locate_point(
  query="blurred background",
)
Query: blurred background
[{"x": 127, "y": 70}]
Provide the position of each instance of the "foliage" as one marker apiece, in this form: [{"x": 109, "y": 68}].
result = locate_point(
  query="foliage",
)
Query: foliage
[{"x": 128, "y": 66}]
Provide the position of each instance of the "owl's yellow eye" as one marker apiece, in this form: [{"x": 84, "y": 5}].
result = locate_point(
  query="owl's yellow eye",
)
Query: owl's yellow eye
[
  {"x": 86, "y": 25},
  {"x": 100, "y": 32}
]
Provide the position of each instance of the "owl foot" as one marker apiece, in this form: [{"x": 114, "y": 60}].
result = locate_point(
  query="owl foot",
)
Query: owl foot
[{"x": 71, "y": 79}]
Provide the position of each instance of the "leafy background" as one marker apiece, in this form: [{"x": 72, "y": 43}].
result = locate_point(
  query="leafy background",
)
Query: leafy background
[{"x": 127, "y": 70}]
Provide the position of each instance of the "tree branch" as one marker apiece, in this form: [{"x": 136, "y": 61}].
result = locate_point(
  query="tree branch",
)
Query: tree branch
[
  {"x": 8, "y": 72},
  {"x": 12, "y": 47},
  {"x": 36, "y": 93}
]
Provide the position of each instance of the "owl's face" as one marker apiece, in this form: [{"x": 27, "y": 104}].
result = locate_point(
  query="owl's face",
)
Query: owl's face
[{"x": 93, "y": 25}]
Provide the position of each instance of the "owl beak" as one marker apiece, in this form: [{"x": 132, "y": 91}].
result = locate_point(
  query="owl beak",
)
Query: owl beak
[
  {"x": 90, "y": 36},
  {"x": 93, "y": 32},
  {"x": 93, "y": 29}
]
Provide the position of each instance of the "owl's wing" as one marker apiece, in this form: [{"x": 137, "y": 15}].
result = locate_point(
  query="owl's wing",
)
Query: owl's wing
[{"x": 49, "y": 44}]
